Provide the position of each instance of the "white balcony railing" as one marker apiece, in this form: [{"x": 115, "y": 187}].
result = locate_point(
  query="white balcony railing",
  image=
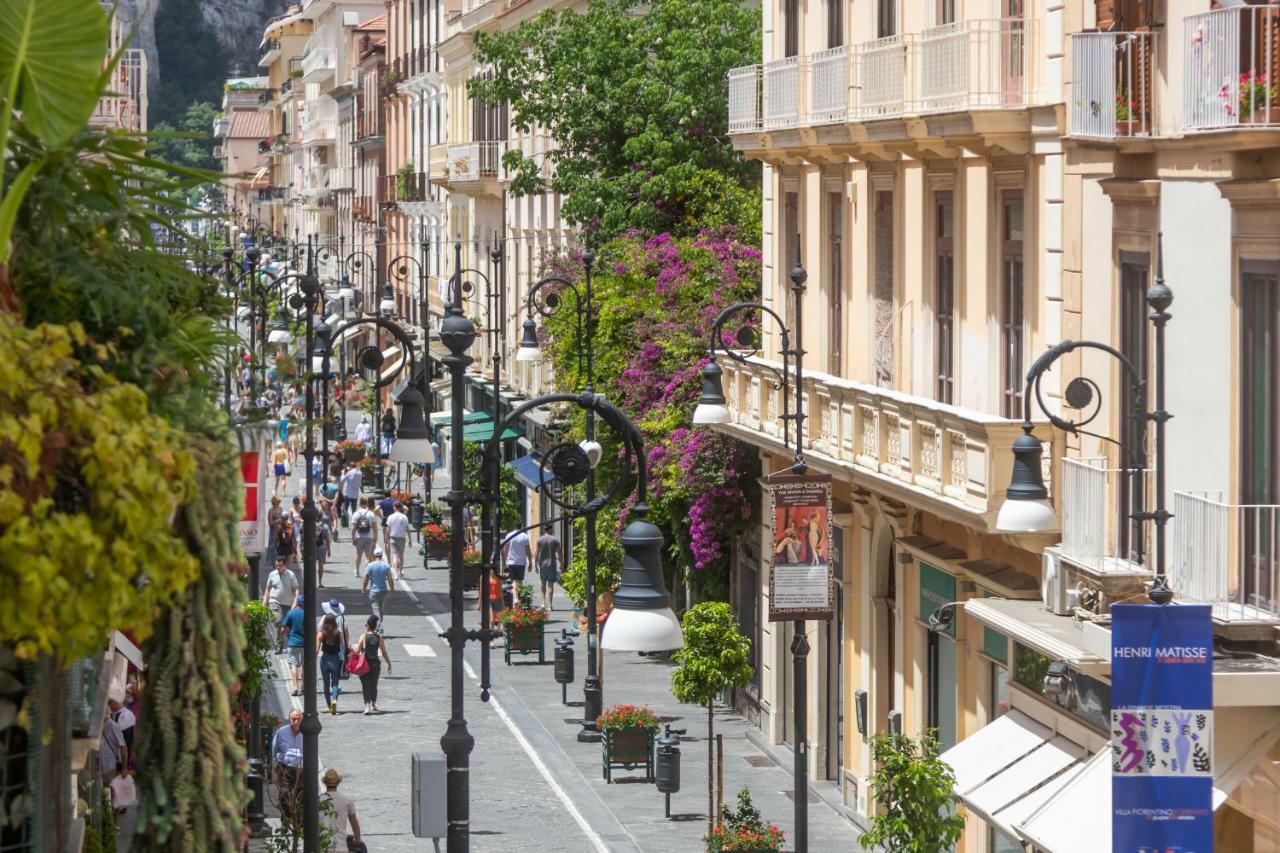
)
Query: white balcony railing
[
  {"x": 744, "y": 99},
  {"x": 475, "y": 161},
  {"x": 1230, "y": 65},
  {"x": 1112, "y": 85},
  {"x": 318, "y": 64},
  {"x": 1096, "y": 503},
  {"x": 880, "y": 78},
  {"x": 961, "y": 458},
  {"x": 975, "y": 64},
  {"x": 782, "y": 92},
  {"x": 340, "y": 178},
  {"x": 1226, "y": 555},
  {"x": 829, "y": 86},
  {"x": 316, "y": 181}
]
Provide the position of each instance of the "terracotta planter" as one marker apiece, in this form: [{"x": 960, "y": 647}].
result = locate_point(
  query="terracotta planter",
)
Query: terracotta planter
[
  {"x": 1262, "y": 115},
  {"x": 627, "y": 749},
  {"x": 525, "y": 641}
]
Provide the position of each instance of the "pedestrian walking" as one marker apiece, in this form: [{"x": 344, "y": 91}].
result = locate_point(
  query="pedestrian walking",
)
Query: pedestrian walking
[
  {"x": 324, "y": 541},
  {"x": 352, "y": 481},
  {"x": 434, "y": 466},
  {"x": 292, "y": 626},
  {"x": 340, "y": 818},
  {"x": 364, "y": 533},
  {"x": 280, "y": 460},
  {"x": 286, "y": 542},
  {"x": 286, "y": 753},
  {"x": 339, "y": 611},
  {"x": 124, "y": 718},
  {"x": 329, "y": 647},
  {"x": 548, "y": 559},
  {"x": 494, "y": 590},
  {"x": 515, "y": 551},
  {"x": 385, "y": 507},
  {"x": 364, "y": 431},
  {"x": 281, "y": 589},
  {"x": 113, "y": 753},
  {"x": 370, "y": 644},
  {"x": 378, "y": 584},
  {"x": 398, "y": 536}
]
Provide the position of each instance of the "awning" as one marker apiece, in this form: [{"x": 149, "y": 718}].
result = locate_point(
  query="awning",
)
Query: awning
[
  {"x": 467, "y": 417},
  {"x": 126, "y": 647},
  {"x": 1057, "y": 636},
  {"x": 529, "y": 471},
  {"x": 484, "y": 431}
]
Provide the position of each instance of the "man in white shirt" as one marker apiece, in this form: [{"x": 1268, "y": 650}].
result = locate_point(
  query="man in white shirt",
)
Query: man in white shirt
[
  {"x": 342, "y": 821},
  {"x": 515, "y": 550},
  {"x": 278, "y": 594},
  {"x": 397, "y": 535},
  {"x": 364, "y": 533},
  {"x": 349, "y": 497},
  {"x": 364, "y": 431}
]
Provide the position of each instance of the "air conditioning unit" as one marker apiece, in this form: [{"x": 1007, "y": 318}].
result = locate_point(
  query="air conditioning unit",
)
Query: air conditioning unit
[{"x": 1054, "y": 585}]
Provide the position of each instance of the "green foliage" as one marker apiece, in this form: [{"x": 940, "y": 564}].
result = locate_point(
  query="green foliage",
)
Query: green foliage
[
  {"x": 191, "y": 784},
  {"x": 608, "y": 560},
  {"x": 744, "y": 829},
  {"x": 472, "y": 461},
  {"x": 90, "y": 477},
  {"x": 191, "y": 142},
  {"x": 286, "y": 838},
  {"x": 258, "y": 647},
  {"x": 714, "y": 657},
  {"x": 634, "y": 94},
  {"x": 913, "y": 789}
]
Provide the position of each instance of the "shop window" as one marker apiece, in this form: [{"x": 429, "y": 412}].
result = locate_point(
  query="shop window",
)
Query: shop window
[{"x": 1084, "y": 697}]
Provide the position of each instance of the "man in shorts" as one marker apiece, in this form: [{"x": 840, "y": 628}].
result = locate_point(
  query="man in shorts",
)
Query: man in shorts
[
  {"x": 364, "y": 532},
  {"x": 398, "y": 535},
  {"x": 293, "y": 626},
  {"x": 279, "y": 592},
  {"x": 515, "y": 550}
]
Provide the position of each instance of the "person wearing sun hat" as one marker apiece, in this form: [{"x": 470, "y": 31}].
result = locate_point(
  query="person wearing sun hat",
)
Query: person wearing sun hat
[{"x": 341, "y": 820}]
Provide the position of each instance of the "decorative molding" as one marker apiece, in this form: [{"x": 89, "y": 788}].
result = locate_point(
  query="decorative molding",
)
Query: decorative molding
[
  {"x": 1131, "y": 191},
  {"x": 1248, "y": 192}
]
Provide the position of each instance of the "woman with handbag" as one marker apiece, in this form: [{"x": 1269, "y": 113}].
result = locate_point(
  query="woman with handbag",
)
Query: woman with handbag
[{"x": 364, "y": 663}]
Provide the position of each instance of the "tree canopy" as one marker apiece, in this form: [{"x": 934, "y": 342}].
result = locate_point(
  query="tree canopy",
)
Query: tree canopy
[{"x": 634, "y": 94}]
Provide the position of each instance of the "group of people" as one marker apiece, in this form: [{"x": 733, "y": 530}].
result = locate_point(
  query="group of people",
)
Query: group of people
[
  {"x": 338, "y": 811},
  {"x": 517, "y": 549}
]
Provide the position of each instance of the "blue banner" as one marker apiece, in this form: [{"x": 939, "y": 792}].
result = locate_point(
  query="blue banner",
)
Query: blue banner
[{"x": 1161, "y": 729}]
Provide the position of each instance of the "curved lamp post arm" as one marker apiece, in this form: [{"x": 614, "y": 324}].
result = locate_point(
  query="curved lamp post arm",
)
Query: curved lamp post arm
[
  {"x": 548, "y": 304},
  {"x": 383, "y": 323},
  {"x": 782, "y": 378}
]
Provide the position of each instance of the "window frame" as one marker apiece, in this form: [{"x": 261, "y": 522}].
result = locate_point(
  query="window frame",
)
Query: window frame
[
  {"x": 944, "y": 298},
  {"x": 1013, "y": 309}
]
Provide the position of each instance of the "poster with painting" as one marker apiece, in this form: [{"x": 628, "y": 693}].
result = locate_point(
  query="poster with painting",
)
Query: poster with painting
[{"x": 800, "y": 585}]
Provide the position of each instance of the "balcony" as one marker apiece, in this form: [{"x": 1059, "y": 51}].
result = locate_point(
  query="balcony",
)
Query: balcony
[
  {"x": 474, "y": 166},
  {"x": 221, "y": 126},
  {"x": 423, "y": 72},
  {"x": 371, "y": 120},
  {"x": 956, "y": 461},
  {"x": 320, "y": 127},
  {"x": 972, "y": 66},
  {"x": 319, "y": 65},
  {"x": 1226, "y": 555},
  {"x": 1096, "y": 501},
  {"x": 340, "y": 178},
  {"x": 270, "y": 52},
  {"x": 1230, "y": 67},
  {"x": 365, "y": 207},
  {"x": 316, "y": 182},
  {"x": 1112, "y": 85}
]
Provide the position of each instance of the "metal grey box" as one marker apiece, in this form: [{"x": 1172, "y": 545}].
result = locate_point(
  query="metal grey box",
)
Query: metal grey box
[{"x": 430, "y": 815}]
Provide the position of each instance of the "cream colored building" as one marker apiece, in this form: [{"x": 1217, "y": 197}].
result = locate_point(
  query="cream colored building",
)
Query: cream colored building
[
  {"x": 963, "y": 190},
  {"x": 124, "y": 106}
]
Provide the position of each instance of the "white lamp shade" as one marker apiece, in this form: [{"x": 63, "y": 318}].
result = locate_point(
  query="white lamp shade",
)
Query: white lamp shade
[
  {"x": 279, "y": 336},
  {"x": 412, "y": 450},
  {"x": 317, "y": 364},
  {"x": 641, "y": 631},
  {"x": 530, "y": 355},
  {"x": 347, "y": 293},
  {"x": 593, "y": 450},
  {"x": 1026, "y": 516},
  {"x": 711, "y": 413},
  {"x": 387, "y": 306}
]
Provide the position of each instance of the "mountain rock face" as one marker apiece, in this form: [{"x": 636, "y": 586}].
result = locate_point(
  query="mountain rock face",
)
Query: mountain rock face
[{"x": 237, "y": 23}]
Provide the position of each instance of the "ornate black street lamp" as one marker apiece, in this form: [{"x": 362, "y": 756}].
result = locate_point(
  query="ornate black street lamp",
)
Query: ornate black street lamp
[
  {"x": 1027, "y": 508},
  {"x": 712, "y": 410}
]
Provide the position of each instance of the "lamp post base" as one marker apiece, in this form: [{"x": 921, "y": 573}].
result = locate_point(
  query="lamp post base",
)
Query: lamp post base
[
  {"x": 257, "y": 818},
  {"x": 592, "y": 707}
]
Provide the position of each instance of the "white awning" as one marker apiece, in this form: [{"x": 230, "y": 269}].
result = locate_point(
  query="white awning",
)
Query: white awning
[
  {"x": 1031, "y": 624},
  {"x": 996, "y": 746}
]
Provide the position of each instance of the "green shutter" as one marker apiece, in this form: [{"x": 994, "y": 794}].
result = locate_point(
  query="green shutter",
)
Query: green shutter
[
  {"x": 995, "y": 645},
  {"x": 936, "y": 589}
]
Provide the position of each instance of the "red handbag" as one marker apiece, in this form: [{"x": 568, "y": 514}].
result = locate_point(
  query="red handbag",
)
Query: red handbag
[{"x": 357, "y": 663}]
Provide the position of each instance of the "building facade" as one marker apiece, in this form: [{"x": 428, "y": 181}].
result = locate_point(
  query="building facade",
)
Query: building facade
[{"x": 967, "y": 185}]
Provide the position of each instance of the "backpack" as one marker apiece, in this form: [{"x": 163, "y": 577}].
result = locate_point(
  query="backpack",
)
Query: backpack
[{"x": 363, "y": 524}]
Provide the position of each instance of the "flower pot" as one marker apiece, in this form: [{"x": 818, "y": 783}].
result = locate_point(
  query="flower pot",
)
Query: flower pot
[
  {"x": 525, "y": 640},
  {"x": 627, "y": 749},
  {"x": 438, "y": 550},
  {"x": 1262, "y": 115}
]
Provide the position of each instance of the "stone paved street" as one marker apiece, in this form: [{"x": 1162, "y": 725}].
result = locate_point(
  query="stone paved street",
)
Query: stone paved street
[{"x": 534, "y": 786}]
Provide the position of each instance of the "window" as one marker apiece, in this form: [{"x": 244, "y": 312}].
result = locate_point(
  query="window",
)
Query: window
[
  {"x": 1259, "y": 426},
  {"x": 882, "y": 355},
  {"x": 886, "y": 18},
  {"x": 941, "y": 696},
  {"x": 946, "y": 11},
  {"x": 791, "y": 28},
  {"x": 1085, "y": 698},
  {"x": 835, "y": 23},
  {"x": 1012, "y": 316},
  {"x": 835, "y": 301},
  {"x": 944, "y": 296},
  {"x": 1134, "y": 271},
  {"x": 791, "y": 257}
]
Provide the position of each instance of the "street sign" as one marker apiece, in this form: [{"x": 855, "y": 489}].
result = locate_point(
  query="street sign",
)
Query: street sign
[
  {"x": 1161, "y": 728},
  {"x": 800, "y": 584}
]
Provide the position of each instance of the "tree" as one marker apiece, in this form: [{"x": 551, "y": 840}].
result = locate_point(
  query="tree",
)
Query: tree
[
  {"x": 191, "y": 143},
  {"x": 634, "y": 93},
  {"x": 913, "y": 787},
  {"x": 714, "y": 658},
  {"x": 192, "y": 57}
]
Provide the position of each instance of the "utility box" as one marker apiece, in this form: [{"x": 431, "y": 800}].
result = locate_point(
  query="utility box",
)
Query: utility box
[{"x": 428, "y": 796}]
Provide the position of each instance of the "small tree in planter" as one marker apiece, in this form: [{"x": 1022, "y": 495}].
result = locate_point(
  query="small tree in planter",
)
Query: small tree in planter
[
  {"x": 523, "y": 625},
  {"x": 913, "y": 788},
  {"x": 714, "y": 658},
  {"x": 627, "y": 732},
  {"x": 744, "y": 830}
]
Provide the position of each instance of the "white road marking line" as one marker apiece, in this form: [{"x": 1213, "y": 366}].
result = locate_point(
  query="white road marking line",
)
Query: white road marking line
[{"x": 419, "y": 650}]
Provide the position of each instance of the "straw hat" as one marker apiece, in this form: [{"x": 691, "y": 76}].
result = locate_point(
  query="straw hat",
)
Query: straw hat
[{"x": 331, "y": 778}]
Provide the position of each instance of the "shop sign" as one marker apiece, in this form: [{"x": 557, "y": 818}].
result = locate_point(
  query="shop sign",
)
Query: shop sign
[
  {"x": 253, "y": 519},
  {"x": 800, "y": 583},
  {"x": 1161, "y": 728},
  {"x": 936, "y": 589}
]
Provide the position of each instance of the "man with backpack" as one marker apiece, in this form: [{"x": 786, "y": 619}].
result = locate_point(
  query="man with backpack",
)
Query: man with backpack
[{"x": 364, "y": 533}]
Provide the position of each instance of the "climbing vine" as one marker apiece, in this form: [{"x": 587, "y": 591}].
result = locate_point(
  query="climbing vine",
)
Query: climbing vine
[{"x": 191, "y": 770}]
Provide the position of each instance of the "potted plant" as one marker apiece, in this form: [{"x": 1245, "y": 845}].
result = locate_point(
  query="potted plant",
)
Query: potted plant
[
  {"x": 351, "y": 451},
  {"x": 744, "y": 830},
  {"x": 436, "y": 537},
  {"x": 471, "y": 568},
  {"x": 1125, "y": 109},
  {"x": 433, "y": 513},
  {"x": 627, "y": 732},
  {"x": 912, "y": 786},
  {"x": 404, "y": 182},
  {"x": 1258, "y": 99},
  {"x": 523, "y": 626}
]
